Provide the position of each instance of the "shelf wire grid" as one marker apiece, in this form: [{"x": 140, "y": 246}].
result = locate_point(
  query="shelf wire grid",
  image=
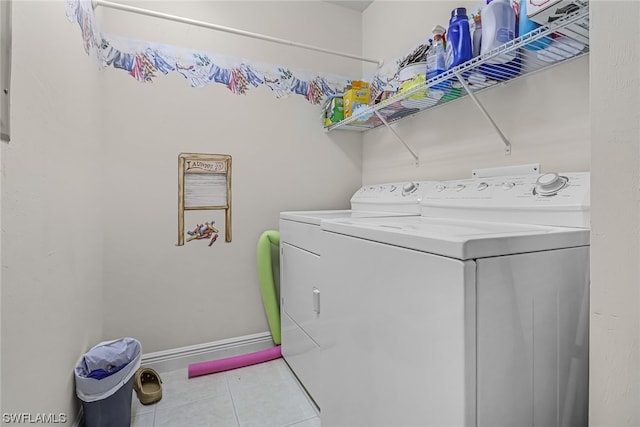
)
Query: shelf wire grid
[{"x": 543, "y": 48}]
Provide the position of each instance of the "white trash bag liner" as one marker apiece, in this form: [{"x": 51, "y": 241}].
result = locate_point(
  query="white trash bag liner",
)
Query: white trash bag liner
[{"x": 106, "y": 356}]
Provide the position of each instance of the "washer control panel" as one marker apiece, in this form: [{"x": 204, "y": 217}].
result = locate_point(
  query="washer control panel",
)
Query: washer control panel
[
  {"x": 391, "y": 197},
  {"x": 528, "y": 198}
]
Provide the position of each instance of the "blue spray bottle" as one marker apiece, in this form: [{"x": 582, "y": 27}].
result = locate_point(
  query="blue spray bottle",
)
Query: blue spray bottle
[{"x": 436, "y": 57}]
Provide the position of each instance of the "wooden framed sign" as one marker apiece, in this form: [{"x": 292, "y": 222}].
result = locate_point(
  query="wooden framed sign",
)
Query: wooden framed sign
[{"x": 204, "y": 183}]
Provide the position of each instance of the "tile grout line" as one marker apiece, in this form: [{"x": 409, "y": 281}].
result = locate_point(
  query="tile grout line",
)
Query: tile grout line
[
  {"x": 233, "y": 402},
  {"x": 300, "y": 421},
  {"x": 155, "y": 411}
]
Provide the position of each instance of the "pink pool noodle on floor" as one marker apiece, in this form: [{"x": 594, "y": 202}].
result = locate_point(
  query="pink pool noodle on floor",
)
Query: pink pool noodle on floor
[{"x": 213, "y": 366}]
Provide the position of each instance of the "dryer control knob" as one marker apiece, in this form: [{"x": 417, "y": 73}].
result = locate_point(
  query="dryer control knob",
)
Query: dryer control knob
[
  {"x": 507, "y": 185},
  {"x": 549, "y": 184},
  {"x": 483, "y": 186},
  {"x": 409, "y": 188}
]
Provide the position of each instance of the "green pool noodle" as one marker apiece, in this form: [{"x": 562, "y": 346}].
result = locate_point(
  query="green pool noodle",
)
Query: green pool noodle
[{"x": 267, "y": 282}]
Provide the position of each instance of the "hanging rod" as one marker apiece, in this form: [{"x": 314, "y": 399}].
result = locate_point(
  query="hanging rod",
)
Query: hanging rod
[{"x": 112, "y": 5}]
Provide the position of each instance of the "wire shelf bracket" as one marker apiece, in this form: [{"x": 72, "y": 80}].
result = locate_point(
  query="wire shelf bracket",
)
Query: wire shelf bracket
[
  {"x": 486, "y": 114},
  {"x": 398, "y": 137}
]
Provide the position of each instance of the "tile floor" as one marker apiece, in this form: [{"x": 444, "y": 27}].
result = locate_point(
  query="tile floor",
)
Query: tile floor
[{"x": 263, "y": 395}]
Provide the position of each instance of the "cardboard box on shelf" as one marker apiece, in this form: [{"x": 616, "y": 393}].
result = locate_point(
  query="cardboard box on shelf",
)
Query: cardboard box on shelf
[
  {"x": 357, "y": 96},
  {"x": 546, "y": 11}
]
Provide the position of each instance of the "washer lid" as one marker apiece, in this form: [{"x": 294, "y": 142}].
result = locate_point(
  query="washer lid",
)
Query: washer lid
[
  {"x": 316, "y": 217},
  {"x": 459, "y": 239}
]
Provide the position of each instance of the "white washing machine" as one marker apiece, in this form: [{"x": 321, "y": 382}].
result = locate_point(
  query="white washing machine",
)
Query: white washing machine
[
  {"x": 300, "y": 269},
  {"x": 473, "y": 314}
]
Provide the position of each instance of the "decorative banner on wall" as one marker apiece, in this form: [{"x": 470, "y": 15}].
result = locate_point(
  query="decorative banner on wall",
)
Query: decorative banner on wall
[
  {"x": 204, "y": 183},
  {"x": 81, "y": 12},
  {"x": 145, "y": 61}
]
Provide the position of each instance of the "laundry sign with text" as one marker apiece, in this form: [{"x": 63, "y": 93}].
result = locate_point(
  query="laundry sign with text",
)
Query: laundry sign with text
[{"x": 204, "y": 183}]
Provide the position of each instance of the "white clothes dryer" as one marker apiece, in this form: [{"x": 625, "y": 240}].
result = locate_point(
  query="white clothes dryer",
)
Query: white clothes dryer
[
  {"x": 300, "y": 289},
  {"x": 473, "y": 314}
]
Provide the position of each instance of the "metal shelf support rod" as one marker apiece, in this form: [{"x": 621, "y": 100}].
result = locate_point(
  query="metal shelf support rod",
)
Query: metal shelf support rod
[
  {"x": 485, "y": 113},
  {"x": 147, "y": 12},
  {"x": 415, "y": 156}
]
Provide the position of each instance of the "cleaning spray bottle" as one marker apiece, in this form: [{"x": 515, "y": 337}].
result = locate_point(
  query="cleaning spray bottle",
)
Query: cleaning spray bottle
[{"x": 436, "y": 56}]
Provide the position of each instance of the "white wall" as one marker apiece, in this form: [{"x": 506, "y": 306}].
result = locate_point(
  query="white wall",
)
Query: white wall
[
  {"x": 168, "y": 296},
  {"x": 52, "y": 249},
  {"x": 51, "y": 213},
  {"x": 615, "y": 237},
  {"x": 545, "y": 116}
]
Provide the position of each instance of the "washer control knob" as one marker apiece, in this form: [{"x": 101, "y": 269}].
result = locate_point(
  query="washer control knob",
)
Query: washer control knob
[
  {"x": 483, "y": 186},
  {"x": 507, "y": 185},
  {"x": 408, "y": 188},
  {"x": 392, "y": 188},
  {"x": 440, "y": 187},
  {"x": 460, "y": 187},
  {"x": 549, "y": 184}
]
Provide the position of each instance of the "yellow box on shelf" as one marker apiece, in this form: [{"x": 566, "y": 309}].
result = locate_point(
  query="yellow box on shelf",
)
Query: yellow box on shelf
[{"x": 357, "y": 96}]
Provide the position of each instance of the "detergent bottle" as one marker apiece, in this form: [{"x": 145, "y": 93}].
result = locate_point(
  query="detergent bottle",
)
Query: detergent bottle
[
  {"x": 458, "y": 48},
  {"x": 526, "y": 25},
  {"x": 498, "y": 28}
]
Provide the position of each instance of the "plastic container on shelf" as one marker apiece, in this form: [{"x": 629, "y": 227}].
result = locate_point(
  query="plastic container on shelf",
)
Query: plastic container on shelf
[
  {"x": 413, "y": 75},
  {"x": 436, "y": 63},
  {"x": 526, "y": 25},
  {"x": 458, "y": 47},
  {"x": 476, "y": 37},
  {"x": 498, "y": 28}
]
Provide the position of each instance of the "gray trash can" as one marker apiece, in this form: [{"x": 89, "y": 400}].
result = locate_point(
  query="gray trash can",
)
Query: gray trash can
[{"x": 104, "y": 382}]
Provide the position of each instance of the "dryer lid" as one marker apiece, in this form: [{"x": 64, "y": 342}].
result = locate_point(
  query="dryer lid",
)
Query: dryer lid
[{"x": 316, "y": 217}]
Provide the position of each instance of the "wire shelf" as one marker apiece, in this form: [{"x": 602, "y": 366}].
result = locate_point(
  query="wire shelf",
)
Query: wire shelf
[{"x": 543, "y": 48}]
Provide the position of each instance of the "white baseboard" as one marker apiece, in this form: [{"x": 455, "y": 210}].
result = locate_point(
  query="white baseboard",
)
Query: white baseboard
[{"x": 177, "y": 358}]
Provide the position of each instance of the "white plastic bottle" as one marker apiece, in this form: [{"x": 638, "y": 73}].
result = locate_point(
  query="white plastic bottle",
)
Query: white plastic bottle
[
  {"x": 476, "y": 36},
  {"x": 498, "y": 27}
]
